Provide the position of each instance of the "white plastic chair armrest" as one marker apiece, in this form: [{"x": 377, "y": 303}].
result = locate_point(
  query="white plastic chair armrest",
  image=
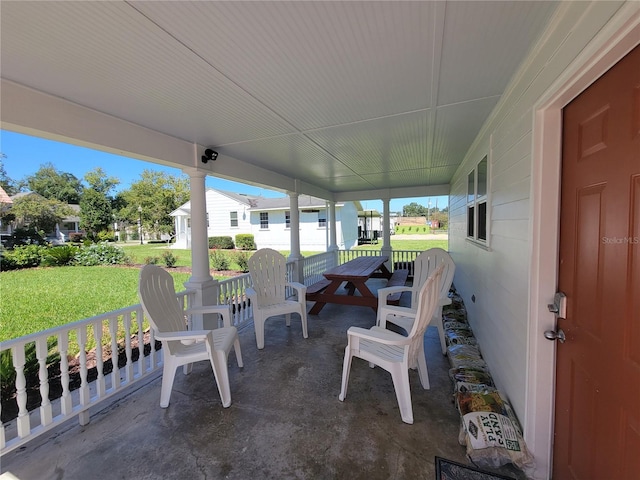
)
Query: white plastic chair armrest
[
  {"x": 379, "y": 335},
  {"x": 300, "y": 289},
  {"x": 385, "y": 310},
  {"x": 183, "y": 336},
  {"x": 400, "y": 311},
  {"x": 384, "y": 292},
  {"x": 221, "y": 309}
]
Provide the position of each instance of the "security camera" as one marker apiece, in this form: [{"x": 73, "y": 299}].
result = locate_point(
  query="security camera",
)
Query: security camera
[{"x": 209, "y": 155}]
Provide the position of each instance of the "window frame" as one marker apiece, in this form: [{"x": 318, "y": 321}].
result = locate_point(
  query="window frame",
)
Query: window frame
[
  {"x": 287, "y": 219},
  {"x": 477, "y": 204},
  {"x": 232, "y": 219},
  {"x": 264, "y": 220},
  {"x": 322, "y": 219}
]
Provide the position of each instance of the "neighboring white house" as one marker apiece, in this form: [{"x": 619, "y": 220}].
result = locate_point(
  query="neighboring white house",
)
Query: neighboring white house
[{"x": 267, "y": 219}]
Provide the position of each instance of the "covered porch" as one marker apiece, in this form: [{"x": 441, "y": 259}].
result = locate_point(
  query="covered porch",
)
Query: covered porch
[
  {"x": 298, "y": 430},
  {"x": 350, "y": 101}
]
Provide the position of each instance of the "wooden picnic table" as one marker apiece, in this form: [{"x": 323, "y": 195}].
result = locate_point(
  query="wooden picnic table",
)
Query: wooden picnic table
[{"x": 355, "y": 272}]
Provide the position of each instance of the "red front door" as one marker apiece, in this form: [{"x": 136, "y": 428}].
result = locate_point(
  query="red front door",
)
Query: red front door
[{"x": 597, "y": 426}]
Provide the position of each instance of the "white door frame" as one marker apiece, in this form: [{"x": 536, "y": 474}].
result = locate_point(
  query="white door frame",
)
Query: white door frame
[{"x": 619, "y": 37}]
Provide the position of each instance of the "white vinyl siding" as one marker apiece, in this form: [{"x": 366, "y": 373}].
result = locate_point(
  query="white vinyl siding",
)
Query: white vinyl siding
[{"x": 499, "y": 277}]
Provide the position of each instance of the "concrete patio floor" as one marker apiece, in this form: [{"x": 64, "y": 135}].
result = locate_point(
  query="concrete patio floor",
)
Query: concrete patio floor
[{"x": 285, "y": 422}]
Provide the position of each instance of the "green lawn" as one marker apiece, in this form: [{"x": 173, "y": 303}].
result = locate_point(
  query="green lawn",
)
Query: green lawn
[
  {"x": 140, "y": 253},
  {"x": 37, "y": 299},
  {"x": 419, "y": 245}
]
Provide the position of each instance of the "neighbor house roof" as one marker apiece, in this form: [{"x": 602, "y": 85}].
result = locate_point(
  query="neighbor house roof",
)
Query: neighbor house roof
[
  {"x": 261, "y": 203},
  {"x": 283, "y": 203},
  {"x": 4, "y": 198}
]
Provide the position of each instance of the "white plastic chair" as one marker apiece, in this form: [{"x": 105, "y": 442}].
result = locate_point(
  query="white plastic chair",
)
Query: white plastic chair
[
  {"x": 394, "y": 352},
  {"x": 424, "y": 265},
  {"x": 268, "y": 270},
  {"x": 182, "y": 347}
]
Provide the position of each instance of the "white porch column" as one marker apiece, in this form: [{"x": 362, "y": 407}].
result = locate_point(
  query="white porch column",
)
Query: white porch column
[
  {"x": 386, "y": 233},
  {"x": 201, "y": 280},
  {"x": 294, "y": 221},
  {"x": 333, "y": 232}
]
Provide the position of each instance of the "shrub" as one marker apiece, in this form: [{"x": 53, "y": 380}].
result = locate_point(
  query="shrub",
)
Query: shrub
[
  {"x": 245, "y": 241},
  {"x": 169, "y": 258},
  {"x": 60, "y": 255},
  {"x": 219, "y": 260},
  {"x": 242, "y": 259},
  {"x": 76, "y": 237},
  {"x": 151, "y": 260},
  {"x": 225, "y": 243},
  {"x": 106, "y": 236},
  {"x": 7, "y": 262},
  {"x": 25, "y": 256},
  {"x": 101, "y": 254},
  {"x": 26, "y": 236}
]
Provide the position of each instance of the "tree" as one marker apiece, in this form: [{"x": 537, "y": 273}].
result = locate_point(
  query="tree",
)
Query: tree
[
  {"x": 55, "y": 185},
  {"x": 38, "y": 212},
  {"x": 414, "y": 210},
  {"x": 157, "y": 194},
  {"x": 96, "y": 206},
  {"x": 100, "y": 182},
  {"x": 8, "y": 185},
  {"x": 95, "y": 212},
  {"x": 441, "y": 216}
]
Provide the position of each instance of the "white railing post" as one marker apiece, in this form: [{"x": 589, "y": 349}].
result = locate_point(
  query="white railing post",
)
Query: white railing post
[
  {"x": 100, "y": 383},
  {"x": 85, "y": 395},
  {"x": 23, "y": 422},
  {"x": 45, "y": 407},
  {"x": 66, "y": 405}
]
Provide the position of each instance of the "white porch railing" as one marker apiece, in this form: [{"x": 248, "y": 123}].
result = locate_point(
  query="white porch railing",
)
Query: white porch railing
[
  {"x": 112, "y": 332},
  {"x": 315, "y": 265},
  {"x": 116, "y": 331}
]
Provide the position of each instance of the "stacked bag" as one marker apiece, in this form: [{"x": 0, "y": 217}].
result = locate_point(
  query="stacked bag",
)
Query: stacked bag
[{"x": 489, "y": 427}]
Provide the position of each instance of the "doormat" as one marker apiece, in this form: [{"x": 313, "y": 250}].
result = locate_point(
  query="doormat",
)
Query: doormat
[{"x": 449, "y": 470}]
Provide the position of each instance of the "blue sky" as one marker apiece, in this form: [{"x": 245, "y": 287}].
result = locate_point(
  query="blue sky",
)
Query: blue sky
[{"x": 25, "y": 154}]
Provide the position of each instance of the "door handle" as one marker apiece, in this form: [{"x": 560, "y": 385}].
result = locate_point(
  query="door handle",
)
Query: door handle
[{"x": 555, "y": 335}]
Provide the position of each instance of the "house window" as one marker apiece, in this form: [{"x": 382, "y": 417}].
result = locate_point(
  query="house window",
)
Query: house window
[
  {"x": 477, "y": 188},
  {"x": 287, "y": 219},
  {"x": 233, "y": 216},
  {"x": 322, "y": 218},
  {"x": 264, "y": 220}
]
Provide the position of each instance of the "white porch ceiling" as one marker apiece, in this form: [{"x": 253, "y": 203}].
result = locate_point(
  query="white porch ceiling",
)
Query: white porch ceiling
[{"x": 342, "y": 97}]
